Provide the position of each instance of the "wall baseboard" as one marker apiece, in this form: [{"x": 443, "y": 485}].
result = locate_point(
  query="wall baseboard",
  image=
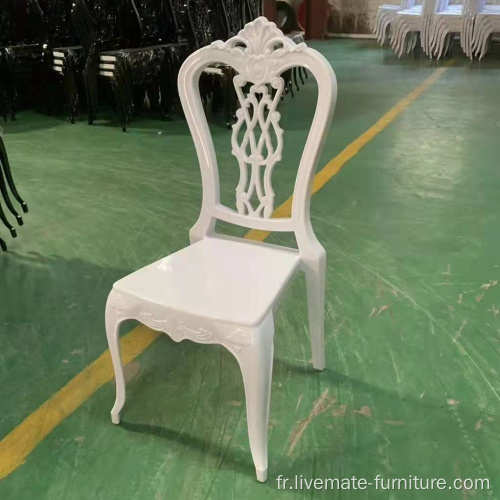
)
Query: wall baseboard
[{"x": 351, "y": 35}]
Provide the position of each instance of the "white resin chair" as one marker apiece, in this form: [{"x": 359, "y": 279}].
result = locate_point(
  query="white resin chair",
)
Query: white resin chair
[
  {"x": 470, "y": 9},
  {"x": 486, "y": 23},
  {"x": 446, "y": 23},
  {"x": 386, "y": 15},
  {"x": 406, "y": 30},
  {"x": 224, "y": 290}
]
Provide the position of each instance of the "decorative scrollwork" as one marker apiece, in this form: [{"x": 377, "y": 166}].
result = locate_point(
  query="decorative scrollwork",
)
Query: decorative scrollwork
[
  {"x": 256, "y": 152},
  {"x": 257, "y": 52},
  {"x": 239, "y": 339},
  {"x": 176, "y": 325},
  {"x": 261, "y": 44}
]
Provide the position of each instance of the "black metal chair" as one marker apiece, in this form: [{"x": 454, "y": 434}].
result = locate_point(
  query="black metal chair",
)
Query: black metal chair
[
  {"x": 212, "y": 20},
  {"x": 21, "y": 54},
  {"x": 64, "y": 58},
  {"x": 143, "y": 60}
]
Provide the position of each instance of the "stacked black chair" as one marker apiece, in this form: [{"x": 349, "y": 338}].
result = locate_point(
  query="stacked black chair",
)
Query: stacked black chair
[
  {"x": 64, "y": 57},
  {"x": 21, "y": 54},
  {"x": 141, "y": 57}
]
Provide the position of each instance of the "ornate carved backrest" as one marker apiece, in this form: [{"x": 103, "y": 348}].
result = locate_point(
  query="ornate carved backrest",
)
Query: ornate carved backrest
[{"x": 259, "y": 54}]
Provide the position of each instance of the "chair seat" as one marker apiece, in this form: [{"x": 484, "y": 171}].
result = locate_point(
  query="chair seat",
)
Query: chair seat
[{"x": 217, "y": 278}]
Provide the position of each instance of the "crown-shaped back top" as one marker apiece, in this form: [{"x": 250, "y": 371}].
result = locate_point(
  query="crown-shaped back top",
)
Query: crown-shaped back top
[{"x": 259, "y": 55}]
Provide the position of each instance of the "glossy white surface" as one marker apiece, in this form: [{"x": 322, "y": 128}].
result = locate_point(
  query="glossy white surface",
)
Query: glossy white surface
[
  {"x": 223, "y": 290},
  {"x": 386, "y": 15},
  {"x": 222, "y": 279}
]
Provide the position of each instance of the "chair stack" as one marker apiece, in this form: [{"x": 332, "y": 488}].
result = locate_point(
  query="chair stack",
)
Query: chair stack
[
  {"x": 485, "y": 21},
  {"x": 127, "y": 53},
  {"x": 437, "y": 24},
  {"x": 386, "y": 15}
]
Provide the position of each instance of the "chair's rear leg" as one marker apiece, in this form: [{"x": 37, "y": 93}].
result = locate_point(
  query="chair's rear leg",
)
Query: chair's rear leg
[
  {"x": 113, "y": 334},
  {"x": 256, "y": 363},
  {"x": 315, "y": 281}
]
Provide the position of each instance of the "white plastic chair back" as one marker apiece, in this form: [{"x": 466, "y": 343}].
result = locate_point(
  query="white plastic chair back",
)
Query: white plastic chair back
[{"x": 260, "y": 54}]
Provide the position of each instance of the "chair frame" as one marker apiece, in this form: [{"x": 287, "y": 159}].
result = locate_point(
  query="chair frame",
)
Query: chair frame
[{"x": 266, "y": 55}]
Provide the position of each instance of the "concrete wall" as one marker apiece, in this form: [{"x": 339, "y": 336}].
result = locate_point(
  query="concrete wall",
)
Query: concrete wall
[{"x": 354, "y": 16}]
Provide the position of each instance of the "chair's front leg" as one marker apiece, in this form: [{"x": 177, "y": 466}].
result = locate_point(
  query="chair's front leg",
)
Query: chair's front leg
[
  {"x": 113, "y": 321},
  {"x": 256, "y": 363}
]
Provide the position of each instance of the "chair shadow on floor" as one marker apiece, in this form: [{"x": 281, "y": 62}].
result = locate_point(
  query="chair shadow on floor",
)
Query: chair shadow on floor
[{"x": 430, "y": 418}]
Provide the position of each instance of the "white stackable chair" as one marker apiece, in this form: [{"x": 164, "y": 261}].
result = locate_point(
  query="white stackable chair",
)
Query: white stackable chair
[
  {"x": 446, "y": 23},
  {"x": 486, "y": 23},
  {"x": 470, "y": 9},
  {"x": 429, "y": 9},
  {"x": 407, "y": 27},
  {"x": 386, "y": 14},
  {"x": 224, "y": 290}
]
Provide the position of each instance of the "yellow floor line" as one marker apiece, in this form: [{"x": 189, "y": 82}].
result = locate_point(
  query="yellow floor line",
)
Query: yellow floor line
[
  {"x": 334, "y": 166},
  {"x": 18, "y": 444}
]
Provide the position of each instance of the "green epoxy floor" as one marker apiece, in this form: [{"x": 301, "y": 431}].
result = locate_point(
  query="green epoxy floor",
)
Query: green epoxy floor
[{"x": 412, "y": 332}]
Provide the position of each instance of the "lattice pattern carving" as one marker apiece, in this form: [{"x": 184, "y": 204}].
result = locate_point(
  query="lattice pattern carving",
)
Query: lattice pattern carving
[
  {"x": 256, "y": 153},
  {"x": 258, "y": 50}
]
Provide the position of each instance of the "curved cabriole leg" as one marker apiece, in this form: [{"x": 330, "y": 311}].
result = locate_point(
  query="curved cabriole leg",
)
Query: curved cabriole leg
[
  {"x": 315, "y": 281},
  {"x": 113, "y": 333},
  {"x": 3, "y": 245},
  {"x": 256, "y": 363}
]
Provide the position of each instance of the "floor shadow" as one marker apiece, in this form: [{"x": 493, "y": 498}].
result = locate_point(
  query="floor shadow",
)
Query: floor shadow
[{"x": 231, "y": 456}]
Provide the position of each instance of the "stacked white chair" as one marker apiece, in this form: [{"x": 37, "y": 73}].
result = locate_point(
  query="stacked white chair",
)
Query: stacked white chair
[
  {"x": 486, "y": 23},
  {"x": 407, "y": 27},
  {"x": 444, "y": 25},
  {"x": 437, "y": 23},
  {"x": 386, "y": 14},
  {"x": 429, "y": 10},
  {"x": 470, "y": 10}
]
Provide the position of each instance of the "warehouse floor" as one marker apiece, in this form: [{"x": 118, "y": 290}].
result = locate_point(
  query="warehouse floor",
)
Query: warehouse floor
[{"x": 411, "y": 228}]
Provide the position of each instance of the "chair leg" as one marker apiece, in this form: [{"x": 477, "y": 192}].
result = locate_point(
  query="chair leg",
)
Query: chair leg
[
  {"x": 256, "y": 363},
  {"x": 113, "y": 334},
  {"x": 315, "y": 281}
]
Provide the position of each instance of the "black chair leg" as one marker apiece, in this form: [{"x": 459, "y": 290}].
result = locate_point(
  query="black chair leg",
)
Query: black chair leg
[
  {"x": 301, "y": 76},
  {"x": 5, "y": 195},
  {"x": 71, "y": 94},
  {"x": 294, "y": 75},
  {"x": 6, "y": 223},
  {"x": 4, "y": 161}
]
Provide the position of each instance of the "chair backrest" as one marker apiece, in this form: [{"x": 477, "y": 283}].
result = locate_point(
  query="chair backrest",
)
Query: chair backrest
[
  {"x": 7, "y": 25},
  {"x": 130, "y": 29},
  {"x": 406, "y": 4},
  {"x": 233, "y": 12},
  {"x": 58, "y": 14},
  {"x": 157, "y": 21},
  {"x": 205, "y": 21},
  {"x": 253, "y": 9},
  {"x": 83, "y": 24},
  {"x": 259, "y": 54}
]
